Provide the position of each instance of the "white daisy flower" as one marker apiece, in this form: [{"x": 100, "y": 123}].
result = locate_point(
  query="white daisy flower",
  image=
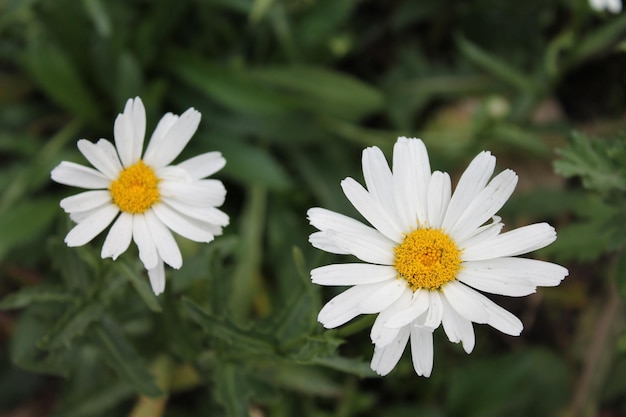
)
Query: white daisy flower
[
  {"x": 427, "y": 254},
  {"x": 613, "y": 6},
  {"x": 145, "y": 197}
]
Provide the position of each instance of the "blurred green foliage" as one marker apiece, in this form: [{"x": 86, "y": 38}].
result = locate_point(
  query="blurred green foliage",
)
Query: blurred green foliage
[{"x": 290, "y": 92}]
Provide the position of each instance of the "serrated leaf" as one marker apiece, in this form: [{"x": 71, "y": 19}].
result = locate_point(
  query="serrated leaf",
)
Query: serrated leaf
[
  {"x": 600, "y": 164},
  {"x": 123, "y": 358},
  {"x": 237, "y": 339},
  {"x": 31, "y": 295},
  {"x": 73, "y": 323}
]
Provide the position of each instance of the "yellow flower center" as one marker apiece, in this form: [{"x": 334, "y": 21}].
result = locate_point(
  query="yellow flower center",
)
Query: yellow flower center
[
  {"x": 135, "y": 191},
  {"x": 427, "y": 258}
]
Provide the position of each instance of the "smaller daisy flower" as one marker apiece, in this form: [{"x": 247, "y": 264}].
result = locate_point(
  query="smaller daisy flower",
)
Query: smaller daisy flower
[
  {"x": 428, "y": 255},
  {"x": 145, "y": 197},
  {"x": 613, "y": 6}
]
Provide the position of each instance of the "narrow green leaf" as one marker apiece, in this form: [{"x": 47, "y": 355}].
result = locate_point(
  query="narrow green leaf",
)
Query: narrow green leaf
[
  {"x": 236, "y": 338},
  {"x": 322, "y": 90},
  {"x": 58, "y": 77},
  {"x": 141, "y": 285},
  {"x": 73, "y": 323},
  {"x": 497, "y": 66},
  {"x": 352, "y": 366},
  {"x": 124, "y": 359},
  {"x": 232, "y": 390},
  {"x": 25, "y": 222},
  {"x": 31, "y": 295}
]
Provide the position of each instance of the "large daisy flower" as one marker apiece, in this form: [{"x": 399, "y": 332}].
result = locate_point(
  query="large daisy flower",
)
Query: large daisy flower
[
  {"x": 427, "y": 254},
  {"x": 145, "y": 197}
]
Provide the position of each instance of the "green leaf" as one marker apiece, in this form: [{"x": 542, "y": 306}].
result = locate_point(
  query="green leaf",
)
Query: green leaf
[
  {"x": 124, "y": 359},
  {"x": 74, "y": 322},
  {"x": 236, "y": 339},
  {"x": 58, "y": 77},
  {"x": 141, "y": 285},
  {"x": 25, "y": 222},
  {"x": 496, "y": 66},
  {"x": 600, "y": 164},
  {"x": 231, "y": 87},
  {"x": 348, "y": 365},
  {"x": 32, "y": 295},
  {"x": 231, "y": 390},
  {"x": 322, "y": 90}
]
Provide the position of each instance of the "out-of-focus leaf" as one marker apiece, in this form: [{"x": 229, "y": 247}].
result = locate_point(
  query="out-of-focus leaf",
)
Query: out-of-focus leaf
[
  {"x": 352, "y": 366},
  {"x": 32, "y": 295},
  {"x": 483, "y": 388},
  {"x": 237, "y": 339},
  {"x": 317, "y": 25},
  {"x": 56, "y": 75},
  {"x": 24, "y": 352},
  {"x": 322, "y": 90},
  {"x": 73, "y": 323},
  {"x": 232, "y": 389},
  {"x": 603, "y": 38},
  {"x": 232, "y": 88},
  {"x": 124, "y": 359},
  {"x": 252, "y": 165},
  {"x": 100, "y": 400},
  {"x": 25, "y": 222},
  {"x": 600, "y": 164},
  {"x": 496, "y": 66},
  {"x": 141, "y": 285},
  {"x": 305, "y": 379}
]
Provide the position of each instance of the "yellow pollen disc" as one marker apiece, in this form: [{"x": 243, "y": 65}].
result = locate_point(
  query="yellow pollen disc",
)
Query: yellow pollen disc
[
  {"x": 135, "y": 191},
  {"x": 427, "y": 258}
]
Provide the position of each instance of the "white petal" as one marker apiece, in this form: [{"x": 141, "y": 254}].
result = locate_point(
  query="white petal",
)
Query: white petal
[
  {"x": 435, "y": 310},
  {"x": 137, "y": 116},
  {"x": 100, "y": 156},
  {"x": 438, "y": 198},
  {"x": 203, "y": 165},
  {"x": 372, "y": 210},
  {"x": 198, "y": 193},
  {"x": 352, "y": 274},
  {"x": 474, "y": 306},
  {"x": 457, "y": 328},
  {"x": 386, "y": 357},
  {"x": 119, "y": 237},
  {"x": 485, "y": 204},
  {"x": 88, "y": 200},
  {"x": 157, "y": 278},
  {"x": 166, "y": 245},
  {"x": 411, "y": 174},
  {"x": 422, "y": 352},
  {"x": 322, "y": 241},
  {"x": 378, "y": 178},
  {"x": 515, "y": 242},
  {"x": 344, "y": 307},
  {"x": 384, "y": 297},
  {"x": 206, "y": 214},
  {"x": 381, "y": 334},
  {"x": 511, "y": 276},
  {"x": 482, "y": 234},
  {"x": 174, "y": 140},
  {"x": 418, "y": 306},
  {"x": 181, "y": 225},
  {"x": 77, "y": 175},
  {"x": 145, "y": 242},
  {"x": 373, "y": 249},
  {"x": 124, "y": 138},
  {"x": 90, "y": 227},
  {"x": 471, "y": 183}
]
